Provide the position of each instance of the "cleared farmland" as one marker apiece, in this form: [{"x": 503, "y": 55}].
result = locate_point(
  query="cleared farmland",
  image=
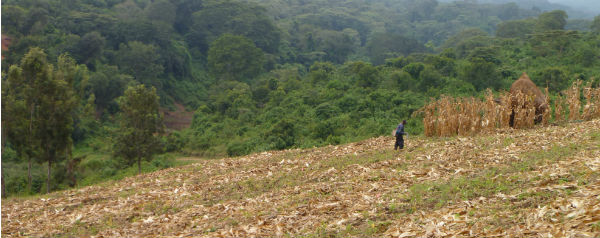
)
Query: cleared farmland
[{"x": 539, "y": 182}]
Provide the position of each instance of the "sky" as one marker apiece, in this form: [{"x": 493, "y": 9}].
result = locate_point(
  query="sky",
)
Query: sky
[
  {"x": 581, "y": 8},
  {"x": 589, "y": 5}
]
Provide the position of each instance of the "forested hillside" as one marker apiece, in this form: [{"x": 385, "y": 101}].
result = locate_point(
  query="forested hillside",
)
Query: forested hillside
[{"x": 269, "y": 74}]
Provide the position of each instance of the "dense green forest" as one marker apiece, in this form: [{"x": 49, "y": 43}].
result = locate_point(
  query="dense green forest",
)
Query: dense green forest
[{"x": 273, "y": 74}]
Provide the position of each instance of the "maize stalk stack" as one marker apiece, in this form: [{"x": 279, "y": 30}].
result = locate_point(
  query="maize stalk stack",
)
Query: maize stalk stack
[{"x": 449, "y": 116}]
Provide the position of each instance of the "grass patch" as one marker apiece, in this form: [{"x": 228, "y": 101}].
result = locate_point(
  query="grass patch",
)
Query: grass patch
[
  {"x": 438, "y": 194},
  {"x": 160, "y": 208},
  {"x": 360, "y": 159},
  {"x": 595, "y": 136},
  {"x": 80, "y": 229},
  {"x": 507, "y": 141},
  {"x": 534, "y": 159}
]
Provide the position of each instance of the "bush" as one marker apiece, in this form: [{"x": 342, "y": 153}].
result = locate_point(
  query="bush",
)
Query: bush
[
  {"x": 237, "y": 148},
  {"x": 174, "y": 142},
  {"x": 554, "y": 77}
]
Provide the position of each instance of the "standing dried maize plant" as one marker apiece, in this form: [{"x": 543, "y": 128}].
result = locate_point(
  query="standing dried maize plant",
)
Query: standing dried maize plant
[
  {"x": 429, "y": 117},
  {"x": 591, "y": 109},
  {"x": 491, "y": 111},
  {"x": 558, "y": 109},
  {"x": 546, "y": 113},
  {"x": 477, "y": 109},
  {"x": 595, "y": 102},
  {"x": 428, "y": 122},
  {"x": 530, "y": 117},
  {"x": 505, "y": 110},
  {"x": 573, "y": 100},
  {"x": 465, "y": 121},
  {"x": 518, "y": 112},
  {"x": 440, "y": 121},
  {"x": 587, "y": 94},
  {"x": 449, "y": 116},
  {"x": 454, "y": 113}
]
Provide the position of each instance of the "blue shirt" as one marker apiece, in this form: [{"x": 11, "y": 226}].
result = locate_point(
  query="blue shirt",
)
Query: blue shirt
[{"x": 400, "y": 130}]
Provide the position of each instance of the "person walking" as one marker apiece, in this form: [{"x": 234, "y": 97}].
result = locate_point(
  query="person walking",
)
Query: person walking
[{"x": 399, "y": 133}]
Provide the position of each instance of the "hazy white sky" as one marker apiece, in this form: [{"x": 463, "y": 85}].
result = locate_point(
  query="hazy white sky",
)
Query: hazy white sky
[{"x": 594, "y": 4}]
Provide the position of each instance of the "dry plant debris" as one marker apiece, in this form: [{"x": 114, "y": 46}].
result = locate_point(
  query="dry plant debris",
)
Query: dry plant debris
[
  {"x": 449, "y": 116},
  {"x": 541, "y": 182}
]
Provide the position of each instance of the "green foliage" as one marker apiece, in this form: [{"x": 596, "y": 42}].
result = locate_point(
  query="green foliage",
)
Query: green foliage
[
  {"x": 139, "y": 124},
  {"x": 237, "y": 18},
  {"x": 141, "y": 61},
  {"x": 107, "y": 84},
  {"x": 460, "y": 38},
  {"x": 367, "y": 75},
  {"x": 235, "y": 58},
  {"x": 554, "y": 20},
  {"x": 383, "y": 46},
  {"x": 89, "y": 47},
  {"x": 429, "y": 78},
  {"x": 554, "y": 78},
  {"x": 515, "y": 29},
  {"x": 595, "y": 27},
  {"x": 414, "y": 69},
  {"x": 161, "y": 11},
  {"x": 281, "y": 135},
  {"x": 40, "y": 101},
  {"x": 480, "y": 73}
]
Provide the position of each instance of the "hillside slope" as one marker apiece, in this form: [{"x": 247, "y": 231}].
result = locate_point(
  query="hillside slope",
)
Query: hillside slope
[{"x": 513, "y": 183}]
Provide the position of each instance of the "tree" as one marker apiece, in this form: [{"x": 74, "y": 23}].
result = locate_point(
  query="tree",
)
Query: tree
[
  {"x": 596, "y": 24},
  {"x": 320, "y": 72},
  {"x": 555, "y": 78},
  {"x": 127, "y": 10},
  {"x": 238, "y": 18},
  {"x": 235, "y": 58},
  {"x": 421, "y": 9},
  {"x": 336, "y": 45},
  {"x": 40, "y": 104},
  {"x": 55, "y": 115},
  {"x": 384, "y": 45},
  {"x": 515, "y": 29},
  {"x": 365, "y": 73},
  {"x": 140, "y": 123},
  {"x": 554, "y": 20},
  {"x": 481, "y": 73},
  {"x": 141, "y": 61},
  {"x": 508, "y": 11},
  {"x": 429, "y": 78},
  {"x": 161, "y": 10},
  {"x": 466, "y": 35},
  {"x": 17, "y": 111},
  {"x": 107, "y": 84},
  {"x": 89, "y": 47},
  {"x": 281, "y": 135},
  {"x": 183, "y": 16},
  {"x": 13, "y": 18}
]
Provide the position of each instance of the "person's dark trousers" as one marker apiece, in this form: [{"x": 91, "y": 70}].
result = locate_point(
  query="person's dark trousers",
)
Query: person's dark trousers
[{"x": 399, "y": 142}]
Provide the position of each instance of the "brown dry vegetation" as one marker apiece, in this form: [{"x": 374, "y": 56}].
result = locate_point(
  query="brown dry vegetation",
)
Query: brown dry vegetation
[
  {"x": 449, "y": 116},
  {"x": 542, "y": 182},
  {"x": 178, "y": 119}
]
